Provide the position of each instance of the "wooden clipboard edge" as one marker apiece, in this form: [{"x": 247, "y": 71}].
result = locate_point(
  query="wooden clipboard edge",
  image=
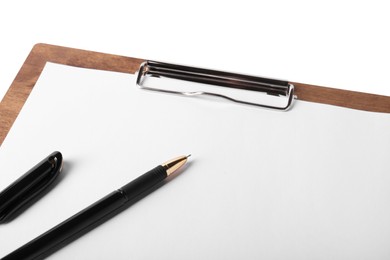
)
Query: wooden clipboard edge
[
  {"x": 29, "y": 73},
  {"x": 342, "y": 98}
]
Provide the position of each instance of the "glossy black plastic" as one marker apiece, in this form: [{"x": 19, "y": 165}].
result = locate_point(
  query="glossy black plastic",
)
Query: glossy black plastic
[
  {"x": 22, "y": 192},
  {"x": 90, "y": 217}
]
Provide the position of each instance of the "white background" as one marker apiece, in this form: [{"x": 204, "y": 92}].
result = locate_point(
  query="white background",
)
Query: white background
[{"x": 342, "y": 44}]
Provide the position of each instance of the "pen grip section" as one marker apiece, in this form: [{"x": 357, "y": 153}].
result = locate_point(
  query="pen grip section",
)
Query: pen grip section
[{"x": 144, "y": 183}]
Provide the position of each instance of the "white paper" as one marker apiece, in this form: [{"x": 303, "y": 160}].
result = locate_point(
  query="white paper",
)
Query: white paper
[{"x": 310, "y": 183}]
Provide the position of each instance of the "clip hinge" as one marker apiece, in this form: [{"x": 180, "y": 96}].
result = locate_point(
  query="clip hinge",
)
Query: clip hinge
[{"x": 274, "y": 87}]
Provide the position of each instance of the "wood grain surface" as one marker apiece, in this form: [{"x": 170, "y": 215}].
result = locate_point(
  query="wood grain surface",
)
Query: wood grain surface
[{"x": 25, "y": 80}]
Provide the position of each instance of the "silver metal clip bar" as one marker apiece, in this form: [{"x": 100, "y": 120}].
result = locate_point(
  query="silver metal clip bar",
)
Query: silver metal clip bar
[{"x": 268, "y": 86}]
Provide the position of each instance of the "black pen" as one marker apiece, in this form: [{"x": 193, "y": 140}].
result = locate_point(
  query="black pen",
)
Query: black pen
[{"x": 95, "y": 214}]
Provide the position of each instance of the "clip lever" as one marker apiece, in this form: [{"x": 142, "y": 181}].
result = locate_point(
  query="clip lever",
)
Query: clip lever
[{"x": 235, "y": 81}]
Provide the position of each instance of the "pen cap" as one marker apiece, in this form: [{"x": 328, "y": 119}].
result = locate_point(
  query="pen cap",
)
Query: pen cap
[{"x": 21, "y": 193}]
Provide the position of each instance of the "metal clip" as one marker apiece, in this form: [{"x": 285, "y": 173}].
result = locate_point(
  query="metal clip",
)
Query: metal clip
[{"x": 274, "y": 87}]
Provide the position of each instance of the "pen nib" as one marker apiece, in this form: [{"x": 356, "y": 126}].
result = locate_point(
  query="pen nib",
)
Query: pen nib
[{"x": 173, "y": 165}]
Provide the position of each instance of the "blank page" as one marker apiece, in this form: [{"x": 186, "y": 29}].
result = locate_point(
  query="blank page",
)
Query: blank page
[{"x": 310, "y": 183}]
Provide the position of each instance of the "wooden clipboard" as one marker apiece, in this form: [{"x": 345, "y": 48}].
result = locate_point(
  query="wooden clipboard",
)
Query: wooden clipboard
[{"x": 29, "y": 73}]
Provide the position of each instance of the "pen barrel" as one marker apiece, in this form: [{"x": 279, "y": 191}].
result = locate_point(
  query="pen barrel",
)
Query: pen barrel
[
  {"x": 89, "y": 218},
  {"x": 70, "y": 229},
  {"x": 140, "y": 187}
]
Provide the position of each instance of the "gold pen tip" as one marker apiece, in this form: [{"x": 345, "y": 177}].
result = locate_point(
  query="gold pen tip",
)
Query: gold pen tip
[{"x": 174, "y": 164}]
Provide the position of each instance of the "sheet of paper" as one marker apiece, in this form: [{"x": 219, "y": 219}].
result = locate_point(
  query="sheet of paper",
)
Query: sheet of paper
[{"x": 310, "y": 183}]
